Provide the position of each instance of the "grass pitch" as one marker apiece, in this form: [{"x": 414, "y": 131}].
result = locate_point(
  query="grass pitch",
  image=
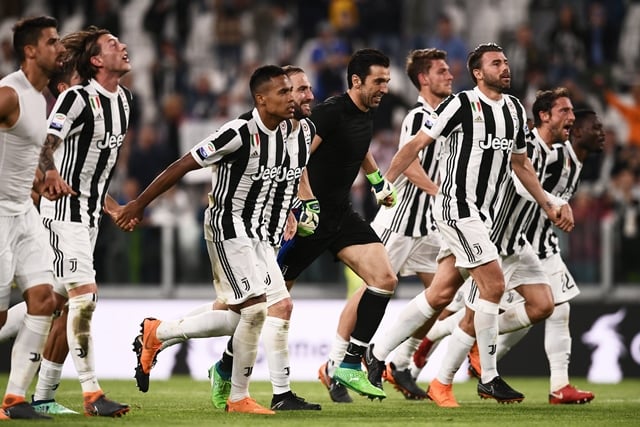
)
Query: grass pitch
[{"x": 182, "y": 401}]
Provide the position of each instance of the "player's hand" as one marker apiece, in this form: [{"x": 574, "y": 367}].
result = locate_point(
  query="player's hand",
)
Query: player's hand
[
  {"x": 290, "y": 227},
  {"x": 127, "y": 216},
  {"x": 565, "y": 218},
  {"x": 53, "y": 186},
  {"x": 309, "y": 217},
  {"x": 561, "y": 218},
  {"x": 384, "y": 190}
]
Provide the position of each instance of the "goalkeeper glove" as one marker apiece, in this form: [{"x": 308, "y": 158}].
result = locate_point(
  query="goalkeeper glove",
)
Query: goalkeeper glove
[
  {"x": 309, "y": 217},
  {"x": 384, "y": 191}
]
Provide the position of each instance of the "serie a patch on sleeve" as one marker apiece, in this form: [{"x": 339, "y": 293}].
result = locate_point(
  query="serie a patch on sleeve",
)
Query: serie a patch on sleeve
[
  {"x": 206, "y": 150},
  {"x": 58, "y": 121}
]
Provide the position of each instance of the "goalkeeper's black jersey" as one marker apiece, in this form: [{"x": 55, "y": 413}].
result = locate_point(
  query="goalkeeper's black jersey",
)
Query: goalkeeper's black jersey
[{"x": 346, "y": 133}]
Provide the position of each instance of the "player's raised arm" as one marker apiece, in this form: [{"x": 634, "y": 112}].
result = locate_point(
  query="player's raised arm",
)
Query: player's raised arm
[
  {"x": 407, "y": 154},
  {"x": 132, "y": 213}
]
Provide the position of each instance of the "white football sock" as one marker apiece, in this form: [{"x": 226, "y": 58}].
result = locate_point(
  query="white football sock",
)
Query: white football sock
[
  {"x": 275, "y": 337},
  {"x": 443, "y": 328},
  {"x": 485, "y": 322},
  {"x": 557, "y": 344},
  {"x": 27, "y": 353},
  {"x": 81, "y": 349},
  {"x": 15, "y": 316},
  {"x": 48, "y": 380},
  {"x": 404, "y": 353},
  {"x": 510, "y": 339},
  {"x": 513, "y": 319},
  {"x": 338, "y": 350},
  {"x": 245, "y": 348},
  {"x": 211, "y": 323},
  {"x": 199, "y": 309},
  {"x": 414, "y": 314},
  {"x": 459, "y": 345}
]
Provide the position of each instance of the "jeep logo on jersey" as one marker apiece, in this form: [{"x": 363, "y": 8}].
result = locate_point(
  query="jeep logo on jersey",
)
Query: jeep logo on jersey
[
  {"x": 277, "y": 173},
  {"x": 110, "y": 141},
  {"x": 495, "y": 143}
]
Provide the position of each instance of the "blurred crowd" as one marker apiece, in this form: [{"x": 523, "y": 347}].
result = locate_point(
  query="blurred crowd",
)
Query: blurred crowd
[{"x": 192, "y": 59}]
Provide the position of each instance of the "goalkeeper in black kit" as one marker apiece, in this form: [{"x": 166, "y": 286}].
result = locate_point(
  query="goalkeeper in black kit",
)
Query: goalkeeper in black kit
[{"x": 344, "y": 125}]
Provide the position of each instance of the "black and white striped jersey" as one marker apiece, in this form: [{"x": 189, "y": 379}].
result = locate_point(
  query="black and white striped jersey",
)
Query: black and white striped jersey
[
  {"x": 413, "y": 214},
  {"x": 92, "y": 122},
  {"x": 283, "y": 193},
  {"x": 247, "y": 162},
  {"x": 561, "y": 179},
  {"x": 480, "y": 136},
  {"x": 515, "y": 212}
]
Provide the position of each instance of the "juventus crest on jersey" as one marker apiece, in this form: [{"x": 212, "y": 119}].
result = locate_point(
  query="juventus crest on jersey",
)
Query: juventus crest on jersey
[
  {"x": 255, "y": 174},
  {"x": 92, "y": 123}
]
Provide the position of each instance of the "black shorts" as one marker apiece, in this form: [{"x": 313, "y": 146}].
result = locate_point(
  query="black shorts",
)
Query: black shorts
[{"x": 299, "y": 254}]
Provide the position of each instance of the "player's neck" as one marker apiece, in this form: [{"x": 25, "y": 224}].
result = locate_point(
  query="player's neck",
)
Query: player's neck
[
  {"x": 432, "y": 99},
  {"x": 489, "y": 92},
  {"x": 581, "y": 153},
  {"x": 546, "y": 136},
  {"x": 35, "y": 75},
  {"x": 270, "y": 121},
  {"x": 109, "y": 81},
  {"x": 356, "y": 99}
]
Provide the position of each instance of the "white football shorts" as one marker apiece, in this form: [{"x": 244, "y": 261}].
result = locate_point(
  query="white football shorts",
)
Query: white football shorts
[{"x": 25, "y": 254}]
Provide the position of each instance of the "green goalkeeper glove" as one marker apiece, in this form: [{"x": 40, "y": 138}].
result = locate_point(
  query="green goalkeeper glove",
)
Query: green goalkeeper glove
[
  {"x": 309, "y": 217},
  {"x": 384, "y": 191}
]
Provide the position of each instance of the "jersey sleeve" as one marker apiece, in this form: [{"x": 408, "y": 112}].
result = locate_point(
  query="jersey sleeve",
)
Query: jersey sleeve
[
  {"x": 65, "y": 112},
  {"x": 520, "y": 145},
  {"x": 444, "y": 120},
  {"x": 219, "y": 144},
  {"x": 411, "y": 125}
]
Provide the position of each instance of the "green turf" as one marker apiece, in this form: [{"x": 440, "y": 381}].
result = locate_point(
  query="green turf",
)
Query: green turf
[{"x": 184, "y": 402}]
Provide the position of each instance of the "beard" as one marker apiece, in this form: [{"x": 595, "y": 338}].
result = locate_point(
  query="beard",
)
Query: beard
[{"x": 496, "y": 84}]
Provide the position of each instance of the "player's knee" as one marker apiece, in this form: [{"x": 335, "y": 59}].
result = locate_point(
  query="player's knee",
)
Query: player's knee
[
  {"x": 40, "y": 300},
  {"x": 83, "y": 305},
  {"x": 281, "y": 309},
  {"x": 388, "y": 281},
  {"x": 440, "y": 296},
  {"x": 255, "y": 313},
  {"x": 3, "y": 318},
  {"x": 540, "y": 309}
]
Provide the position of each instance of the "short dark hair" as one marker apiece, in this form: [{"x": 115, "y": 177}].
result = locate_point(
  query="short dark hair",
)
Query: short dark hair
[
  {"x": 263, "y": 75},
  {"x": 63, "y": 75},
  {"x": 362, "y": 60},
  {"x": 81, "y": 47},
  {"x": 292, "y": 69},
  {"x": 474, "y": 59},
  {"x": 582, "y": 115},
  {"x": 420, "y": 61},
  {"x": 545, "y": 100},
  {"x": 27, "y": 31}
]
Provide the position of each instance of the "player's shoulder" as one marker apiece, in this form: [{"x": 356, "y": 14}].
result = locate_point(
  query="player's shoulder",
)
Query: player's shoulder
[
  {"x": 331, "y": 104},
  {"x": 308, "y": 122},
  {"x": 126, "y": 91},
  {"x": 514, "y": 99}
]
